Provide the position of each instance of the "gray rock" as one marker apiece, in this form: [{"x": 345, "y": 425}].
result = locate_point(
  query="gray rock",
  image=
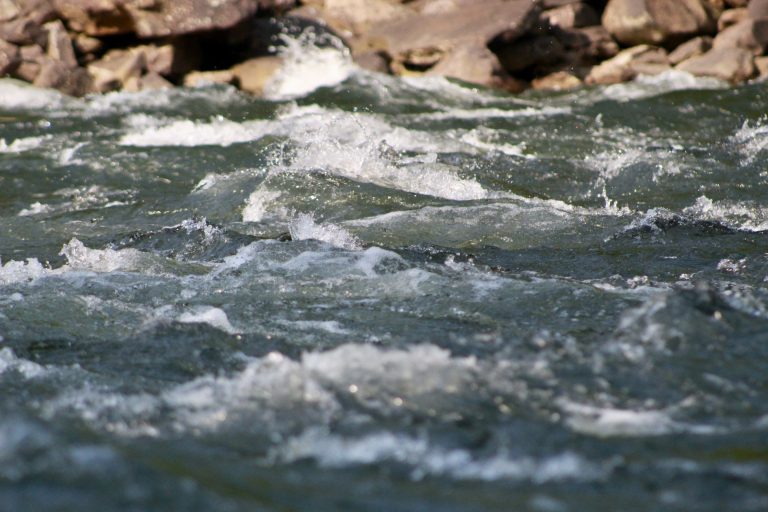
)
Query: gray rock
[
  {"x": 26, "y": 26},
  {"x": 734, "y": 65},
  {"x": 32, "y": 58},
  {"x": 758, "y": 9},
  {"x": 475, "y": 64},
  {"x": 60, "y": 45},
  {"x": 634, "y": 22},
  {"x": 691, "y": 48}
]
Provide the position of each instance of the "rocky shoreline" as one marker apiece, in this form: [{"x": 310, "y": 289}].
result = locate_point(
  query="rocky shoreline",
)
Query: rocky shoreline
[{"x": 97, "y": 46}]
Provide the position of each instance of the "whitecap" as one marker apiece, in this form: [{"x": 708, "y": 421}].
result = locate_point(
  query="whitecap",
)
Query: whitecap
[
  {"x": 304, "y": 227},
  {"x": 215, "y": 317},
  {"x": 217, "y": 132}
]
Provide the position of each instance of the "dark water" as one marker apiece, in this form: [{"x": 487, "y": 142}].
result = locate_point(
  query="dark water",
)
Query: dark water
[{"x": 383, "y": 294}]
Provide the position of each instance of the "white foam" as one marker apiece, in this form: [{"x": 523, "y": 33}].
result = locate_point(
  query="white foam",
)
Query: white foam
[
  {"x": 330, "y": 450},
  {"x": 212, "y": 316},
  {"x": 738, "y": 214},
  {"x": 259, "y": 203},
  {"x": 330, "y": 326},
  {"x": 609, "y": 422},
  {"x": 495, "y": 112},
  {"x": 79, "y": 257},
  {"x": 35, "y": 208},
  {"x": 307, "y": 67},
  {"x": 304, "y": 227},
  {"x": 22, "y": 271},
  {"x": 23, "y": 144},
  {"x": 646, "y": 86},
  {"x": 17, "y": 95},
  {"x": 751, "y": 140},
  {"x": 9, "y": 362},
  {"x": 217, "y": 132}
]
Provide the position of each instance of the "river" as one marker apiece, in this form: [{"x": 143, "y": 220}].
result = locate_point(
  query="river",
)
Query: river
[{"x": 372, "y": 293}]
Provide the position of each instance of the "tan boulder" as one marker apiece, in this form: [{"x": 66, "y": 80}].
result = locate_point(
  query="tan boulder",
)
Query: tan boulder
[
  {"x": 201, "y": 78},
  {"x": 475, "y": 64},
  {"x": 59, "y": 44},
  {"x": 24, "y": 20},
  {"x": 758, "y": 9},
  {"x": 749, "y": 34},
  {"x": 150, "y": 81},
  {"x": 571, "y": 15},
  {"x": 9, "y": 9},
  {"x": 627, "y": 64},
  {"x": 254, "y": 75},
  {"x": 588, "y": 43},
  {"x": 176, "y": 17},
  {"x": 95, "y": 17},
  {"x": 31, "y": 61},
  {"x": 116, "y": 68},
  {"x": 734, "y": 65},
  {"x": 54, "y": 74},
  {"x": 10, "y": 57},
  {"x": 352, "y": 18},
  {"x": 731, "y": 17},
  {"x": 634, "y": 22},
  {"x": 691, "y": 48},
  {"x": 761, "y": 65},
  {"x": 557, "y": 81}
]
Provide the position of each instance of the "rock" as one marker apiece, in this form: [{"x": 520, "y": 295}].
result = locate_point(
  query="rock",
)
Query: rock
[
  {"x": 59, "y": 45},
  {"x": 749, "y": 34},
  {"x": 254, "y": 75},
  {"x": 201, "y": 78},
  {"x": 736, "y": 3},
  {"x": 116, "y": 68},
  {"x": 96, "y": 17},
  {"x": 557, "y": 81},
  {"x": 158, "y": 59},
  {"x": 590, "y": 43},
  {"x": 10, "y": 57},
  {"x": 31, "y": 60},
  {"x": 26, "y": 26},
  {"x": 571, "y": 15},
  {"x": 9, "y": 9},
  {"x": 527, "y": 51},
  {"x": 734, "y": 65},
  {"x": 176, "y": 17},
  {"x": 758, "y": 9},
  {"x": 352, "y": 18},
  {"x": 761, "y": 65},
  {"x": 148, "y": 82},
  {"x": 691, "y": 48},
  {"x": 638, "y": 60},
  {"x": 486, "y": 21},
  {"x": 474, "y": 64},
  {"x": 635, "y": 22},
  {"x": 372, "y": 61},
  {"x": 55, "y": 74},
  {"x": 731, "y": 17},
  {"x": 87, "y": 45}
]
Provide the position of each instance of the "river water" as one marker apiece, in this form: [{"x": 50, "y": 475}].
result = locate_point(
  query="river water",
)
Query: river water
[{"x": 373, "y": 293}]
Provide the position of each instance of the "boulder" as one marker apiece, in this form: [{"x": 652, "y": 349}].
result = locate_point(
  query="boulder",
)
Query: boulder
[
  {"x": 116, "y": 68},
  {"x": 589, "y": 43},
  {"x": 761, "y": 65},
  {"x": 731, "y": 17},
  {"x": 570, "y": 15},
  {"x": 54, "y": 74},
  {"x": 150, "y": 81},
  {"x": 25, "y": 19},
  {"x": 557, "y": 81},
  {"x": 201, "y": 78},
  {"x": 352, "y": 18},
  {"x": 749, "y": 34},
  {"x": 638, "y": 60},
  {"x": 10, "y": 57},
  {"x": 475, "y": 64},
  {"x": 31, "y": 60},
  {"x": 372, "y": 61},
  {"x": 59, "y": 45},
  {"x": 736, "y": 3},
  {"x": 95, "y": 17},
  {"x": 635, "y": 22},
  {"x": 758, "y": 9},
  {"x": 528, "y": 51},
  {"x": 176, "y": 17},
  {"x": 9, "y": 9},
  {"x": 691, "y": 48},
  {"x": 254, "y": 75},
  {"x": 479, "y": 24},
  {"x": 734, "y": 65},
  {"x": 87, "y": 46}
]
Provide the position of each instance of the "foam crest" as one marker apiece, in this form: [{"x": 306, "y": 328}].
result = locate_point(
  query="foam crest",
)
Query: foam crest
[
  {"x": 646, "y": 86},
  {"x": 425, "y": 459},
  {"x": 22, "y": 271},
  {"x": 9, "y": 362},
  {"x": 304, "y": 227},
  {"x": 80, "y": 257},
  {"x": 751, "y": 140},
  {"x": 307, "y": 66},
  {"x": 738, "y": 214},
  {"x": 212, "y": 316},
  {"x": 17, "y": 95},
  {"x": 23, "y": 144},
  {"x": 610, "y": 422},
  {"x": 217, "y": 132}
]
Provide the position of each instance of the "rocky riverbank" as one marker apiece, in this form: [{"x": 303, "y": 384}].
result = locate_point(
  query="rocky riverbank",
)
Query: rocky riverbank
[{"x": 96, "y": 46}]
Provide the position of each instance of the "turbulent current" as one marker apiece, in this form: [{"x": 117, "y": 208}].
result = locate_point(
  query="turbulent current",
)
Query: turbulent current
[{"x": 371, "y": 293}]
